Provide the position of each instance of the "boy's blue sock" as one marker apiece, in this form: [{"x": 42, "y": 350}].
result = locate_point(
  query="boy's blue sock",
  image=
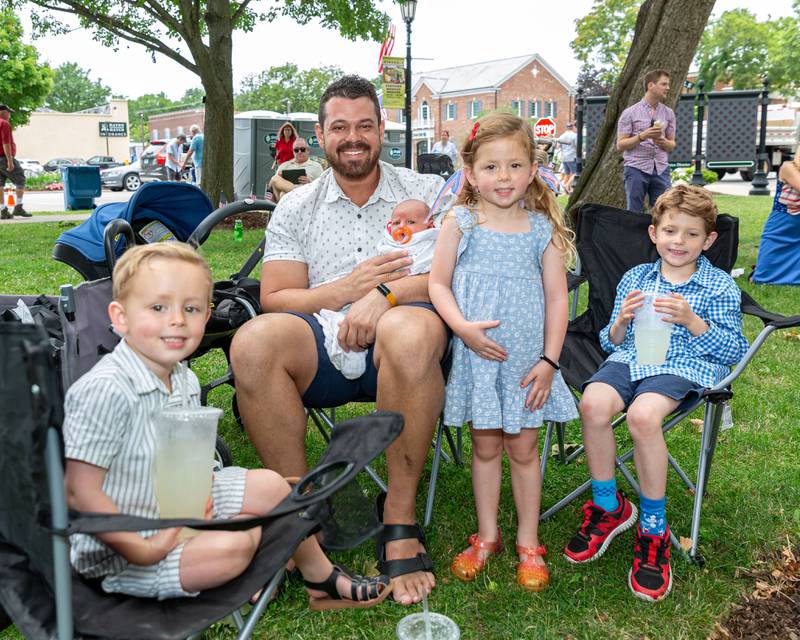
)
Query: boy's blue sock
[
  {"x": 604, "y": 494},
  {"x": 652, "y": 515}
]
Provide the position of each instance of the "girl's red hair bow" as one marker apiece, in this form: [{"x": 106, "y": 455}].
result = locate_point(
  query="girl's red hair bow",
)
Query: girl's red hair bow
[{"x": 474, "y": 130}]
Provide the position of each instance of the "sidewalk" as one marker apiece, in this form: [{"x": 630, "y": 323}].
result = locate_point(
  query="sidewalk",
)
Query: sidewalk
[
  {"x": 733, "y": 185},
  {"x": 56, "y": 217}
]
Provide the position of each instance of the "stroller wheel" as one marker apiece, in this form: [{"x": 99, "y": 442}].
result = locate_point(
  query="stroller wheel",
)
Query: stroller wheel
[{"x": 222, "y": 455}]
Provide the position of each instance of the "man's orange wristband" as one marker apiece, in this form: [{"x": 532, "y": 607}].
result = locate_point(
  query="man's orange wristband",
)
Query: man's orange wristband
[{"x": 387, "y": 292}]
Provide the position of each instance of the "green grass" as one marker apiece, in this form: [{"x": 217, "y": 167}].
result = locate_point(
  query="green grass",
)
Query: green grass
[{"x": 753, "y": 500}]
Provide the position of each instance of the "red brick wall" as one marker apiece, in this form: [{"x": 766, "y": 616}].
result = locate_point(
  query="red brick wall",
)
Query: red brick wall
[
  {"x": 544, "y": 87},
  {"x": 174, "y": 120},
  {"x": 522, "y": 86}
]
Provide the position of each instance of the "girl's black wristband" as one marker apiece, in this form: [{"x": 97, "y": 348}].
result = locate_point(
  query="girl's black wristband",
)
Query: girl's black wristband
[{"x": 555, "y": 365}]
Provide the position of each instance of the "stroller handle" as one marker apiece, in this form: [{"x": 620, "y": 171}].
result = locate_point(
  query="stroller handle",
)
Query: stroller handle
[
  {"x": 110, "y": 233},
  {"x": 200, "y": 234}
]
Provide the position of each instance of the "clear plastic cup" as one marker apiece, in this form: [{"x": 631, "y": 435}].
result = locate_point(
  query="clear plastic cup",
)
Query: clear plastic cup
[
  {"x": 185, "y": 442},
  {"x": 438, "y": 627},
  {"x": 651, "y": 334}
]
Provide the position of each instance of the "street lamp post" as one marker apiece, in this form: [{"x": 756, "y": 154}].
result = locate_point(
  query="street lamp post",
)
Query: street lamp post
[{"x": 408, "y": 9}]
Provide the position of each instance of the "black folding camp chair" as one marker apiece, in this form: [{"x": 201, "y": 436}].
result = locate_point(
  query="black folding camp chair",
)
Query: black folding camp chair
[
  {"x": 46, "y": 599},
  {"x": 325, "y": 424},
  {"x": 610, "y": 242}
]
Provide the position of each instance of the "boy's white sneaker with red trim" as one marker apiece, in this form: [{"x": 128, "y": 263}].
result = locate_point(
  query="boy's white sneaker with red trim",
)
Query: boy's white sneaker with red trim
[
  {"x": 598, "y": 529},
  {"x": 650, "y": 577}
]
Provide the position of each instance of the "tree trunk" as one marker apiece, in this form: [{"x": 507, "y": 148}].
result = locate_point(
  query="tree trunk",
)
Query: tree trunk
[
  {"x": 216, "y": 74},
  {"x": 666, "y": 37}
]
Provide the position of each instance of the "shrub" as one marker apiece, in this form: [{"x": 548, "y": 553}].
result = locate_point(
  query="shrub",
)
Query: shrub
[
  {"x": 46, "y": 181},
  {"x": 685, "y": 175}
]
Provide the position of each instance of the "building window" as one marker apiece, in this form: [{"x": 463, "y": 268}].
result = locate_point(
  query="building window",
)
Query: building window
[
  {"x": 516, "y": 107},
  {"x": 402, "y": 113},
  {"x": 424, "y": 111},
  {"x": 422, "y": 147},
  {"x": 451, "y": 111},
  {"x": 180, "y": 131},
  {"x": 550, "y": 108},
  {"x": 534, "y": 108},
  {"x": 475, "y": 107},
  {"x": 154, "y": 134},
  {"x": 167, "y": 132}
]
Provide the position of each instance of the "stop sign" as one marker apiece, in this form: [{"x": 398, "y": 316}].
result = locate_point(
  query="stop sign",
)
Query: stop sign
[{"x": 544, "y": 128}]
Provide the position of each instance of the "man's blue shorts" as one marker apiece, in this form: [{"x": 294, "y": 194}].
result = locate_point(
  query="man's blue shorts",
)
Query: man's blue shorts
[
  {"x": 569, "y": 167},
  {"x": 618, "y": 375},
  {"x": 330, "y": 388}
]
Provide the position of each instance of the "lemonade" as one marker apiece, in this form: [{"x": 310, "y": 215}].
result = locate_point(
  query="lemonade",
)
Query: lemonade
[
  {"x": 651, "y": 334},
  {"x": 183, "y": 479},
  {"x": 185, "y": 439}
]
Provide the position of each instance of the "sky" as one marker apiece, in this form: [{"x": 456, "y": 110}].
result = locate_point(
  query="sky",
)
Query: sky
[{"x": 444, "y": 34}]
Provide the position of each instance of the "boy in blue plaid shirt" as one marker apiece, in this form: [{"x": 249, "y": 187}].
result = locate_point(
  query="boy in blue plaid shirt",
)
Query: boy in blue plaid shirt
[{"x": 702, "y": 304}]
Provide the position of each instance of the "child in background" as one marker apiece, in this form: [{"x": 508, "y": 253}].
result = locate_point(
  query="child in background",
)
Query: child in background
[
  {"x": 499, "y": 281},
  {"x": 161, "y": 298},
  {"x": 409, "y": 228},
  {"x": 702, "y": 303}
]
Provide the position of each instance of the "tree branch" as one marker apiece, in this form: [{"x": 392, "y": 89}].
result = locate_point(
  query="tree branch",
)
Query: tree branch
[
  {"x": 120, "y": 29},
  {"x": 157, "y": 11},
  {"x": 238, "y": 13}
]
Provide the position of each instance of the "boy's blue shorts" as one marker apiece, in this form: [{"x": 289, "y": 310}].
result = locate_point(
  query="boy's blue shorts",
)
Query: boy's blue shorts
[
  {"x": 618, "y": 376},
  {"x": 330, "y": 388}
]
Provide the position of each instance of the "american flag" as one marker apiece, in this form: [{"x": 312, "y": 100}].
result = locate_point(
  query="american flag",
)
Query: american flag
[{"x": 386, "y": 47}]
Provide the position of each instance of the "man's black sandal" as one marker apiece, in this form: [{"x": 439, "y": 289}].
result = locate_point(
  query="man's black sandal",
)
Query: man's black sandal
[{"x": 392, "y": 532}]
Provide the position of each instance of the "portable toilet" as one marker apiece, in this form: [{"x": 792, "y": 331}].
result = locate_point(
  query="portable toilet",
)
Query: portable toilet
[{"x": 256, "y": 132}]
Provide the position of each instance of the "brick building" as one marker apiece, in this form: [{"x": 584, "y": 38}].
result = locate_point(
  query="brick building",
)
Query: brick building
[
  {"x": 452, "y": 98},
  {"x": 164, "y": 126}
]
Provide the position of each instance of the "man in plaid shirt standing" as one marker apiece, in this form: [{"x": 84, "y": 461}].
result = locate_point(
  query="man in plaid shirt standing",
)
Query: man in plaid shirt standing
[
  {"x": 646, "y": 136},
  {"x": 701, "y": 303}
]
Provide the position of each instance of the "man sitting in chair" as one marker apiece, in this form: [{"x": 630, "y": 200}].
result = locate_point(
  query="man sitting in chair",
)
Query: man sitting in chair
[
  {"x": 281, "y": 185},
  {"x": 322, "y": 253}
]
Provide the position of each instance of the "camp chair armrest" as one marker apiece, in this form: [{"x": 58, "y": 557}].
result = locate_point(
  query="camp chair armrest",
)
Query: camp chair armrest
[
  {"x": 769, "y": 318},
  {"x": 748, "y": 356}
]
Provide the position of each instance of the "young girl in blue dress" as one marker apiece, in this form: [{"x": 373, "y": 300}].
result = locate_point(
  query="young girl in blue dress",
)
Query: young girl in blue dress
[{"x": 499, "y": 281}]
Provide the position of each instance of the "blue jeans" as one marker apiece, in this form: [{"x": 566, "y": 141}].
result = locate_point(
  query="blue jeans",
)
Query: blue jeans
[{"x": 639, "y": 184}]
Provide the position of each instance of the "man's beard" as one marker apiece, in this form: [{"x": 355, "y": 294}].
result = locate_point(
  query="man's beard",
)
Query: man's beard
[{"x": 353, "y": 170}]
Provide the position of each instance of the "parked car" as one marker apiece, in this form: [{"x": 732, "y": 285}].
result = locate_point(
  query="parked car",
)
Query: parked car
[
  {"x": 104, "y": 162},
  {"x": 122, "y": 177},
  {"x": 153, "y": 162},
  {"x": 31, "y": 168},
  {"x": 56, "y": 163}
]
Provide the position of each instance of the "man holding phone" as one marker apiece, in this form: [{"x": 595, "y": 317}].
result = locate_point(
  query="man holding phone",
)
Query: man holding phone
[
  {"x": 645, "y": 136},
  {"x": 293, "y": 173}
]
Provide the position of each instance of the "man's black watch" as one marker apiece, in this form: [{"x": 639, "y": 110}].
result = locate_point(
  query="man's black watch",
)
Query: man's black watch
[{"x": 555, "y": 365}]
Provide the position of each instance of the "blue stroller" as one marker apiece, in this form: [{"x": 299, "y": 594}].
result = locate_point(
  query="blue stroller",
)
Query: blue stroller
[{"x": 163, "y": 211}]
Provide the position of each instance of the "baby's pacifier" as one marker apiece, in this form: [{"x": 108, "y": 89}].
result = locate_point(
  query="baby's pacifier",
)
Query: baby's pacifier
[{"x": 402, "y": 235}]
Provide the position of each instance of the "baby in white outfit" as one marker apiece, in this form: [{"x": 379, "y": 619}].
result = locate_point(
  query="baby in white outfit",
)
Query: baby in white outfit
[{"x": 409, "y": 228}]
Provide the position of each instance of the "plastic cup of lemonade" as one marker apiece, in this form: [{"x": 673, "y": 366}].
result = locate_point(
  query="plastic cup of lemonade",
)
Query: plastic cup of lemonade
[
  {"x": 438, "y": 627},
  {"x": 185, "y": 441},
  {"x": 651, "y": 334}
]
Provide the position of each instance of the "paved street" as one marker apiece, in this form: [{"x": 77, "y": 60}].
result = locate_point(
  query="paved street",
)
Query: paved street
[{"x": 54, "y": 200}]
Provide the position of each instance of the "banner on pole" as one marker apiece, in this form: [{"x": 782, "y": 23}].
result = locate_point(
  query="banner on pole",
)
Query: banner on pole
[{"x": 394, "y": 83}]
